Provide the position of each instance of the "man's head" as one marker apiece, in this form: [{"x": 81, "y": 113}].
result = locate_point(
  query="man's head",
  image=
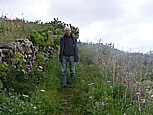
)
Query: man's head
[{"x": 67, "y": 30}]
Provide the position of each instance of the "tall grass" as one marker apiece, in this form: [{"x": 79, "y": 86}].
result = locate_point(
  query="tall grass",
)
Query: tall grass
[{"x": 110, "y": 82}]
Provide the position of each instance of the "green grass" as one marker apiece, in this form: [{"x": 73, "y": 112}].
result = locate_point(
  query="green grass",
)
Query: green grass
[
  {"x": 107, "y": 81},
  {"x": 96, "y": 92}
]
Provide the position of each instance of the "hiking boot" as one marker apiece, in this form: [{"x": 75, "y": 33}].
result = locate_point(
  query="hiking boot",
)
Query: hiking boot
[{"x": 64, "y": 86}]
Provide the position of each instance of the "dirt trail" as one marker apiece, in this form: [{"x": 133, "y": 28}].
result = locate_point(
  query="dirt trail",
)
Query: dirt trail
[{"x": 65, "y": 100}]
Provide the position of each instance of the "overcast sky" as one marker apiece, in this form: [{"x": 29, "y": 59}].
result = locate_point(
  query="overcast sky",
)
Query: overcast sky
[{"x": 126, "y": 23}]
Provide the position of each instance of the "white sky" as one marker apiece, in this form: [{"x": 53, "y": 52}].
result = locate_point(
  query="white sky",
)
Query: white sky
[{"x": 126, "y": 23}]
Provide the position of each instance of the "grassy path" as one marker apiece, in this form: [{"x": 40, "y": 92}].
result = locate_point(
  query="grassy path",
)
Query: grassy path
[
  {"x": 94, "y": 92},
  {"x": 65, "y": 101},
  {"x": 72, "y": 101},
  {"x": 65, "y": 97}
]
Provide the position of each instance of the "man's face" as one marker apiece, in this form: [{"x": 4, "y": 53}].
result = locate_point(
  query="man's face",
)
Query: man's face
[{"x": 67, "y": 31}]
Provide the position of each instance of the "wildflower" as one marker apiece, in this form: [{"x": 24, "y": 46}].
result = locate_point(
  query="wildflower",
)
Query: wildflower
[
  {"x": 23, "y": 71},
  {"x": 35, "y": 107},
  {"x": 25, "y": 96},
  {"x": 42, "y": 90},
  {"x": 14, "y": 66},
  {"x": 90, "y": 97},
  {"x": 29, "y": 65},
  {"x": 108, "y": 81},
  {"x": 151, "y": 95},
  {"x": 138, "y": 93},
  {"x": 102, "y": 103},
  {"x": 143, "y": 101},
  {"x": 92, "y": 83},
  {"x": 82, "y": 80},
  {"x": 124, "y": 114},
  {"x": 40, "y": 68},
  {"x": 89, "y": 84}
]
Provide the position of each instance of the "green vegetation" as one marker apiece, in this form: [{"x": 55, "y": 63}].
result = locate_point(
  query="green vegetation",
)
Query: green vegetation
[
  {"x": 107, "y": 82},
  {"x": 112, "y": 82},
  {"x": 40, "y": 33}
]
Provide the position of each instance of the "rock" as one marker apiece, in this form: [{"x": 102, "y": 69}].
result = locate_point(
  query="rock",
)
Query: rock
[
  {"x": 6, "y": 45},
  {"x": 24, "y": 46},
  {"x": 20, "y": 40},
  {"x": 5, "y": 51}
]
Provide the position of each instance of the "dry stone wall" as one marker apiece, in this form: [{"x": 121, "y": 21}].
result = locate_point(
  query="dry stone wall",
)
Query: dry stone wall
[{"x": 24, "y": 46}]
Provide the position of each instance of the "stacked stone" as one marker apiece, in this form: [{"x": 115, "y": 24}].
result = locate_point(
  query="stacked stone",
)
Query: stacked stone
[
  {"x": 24, "y": 46},
  {"x": 48, "y": 53},
  {"x": 7, "y": 51},
  {"x": 27, "y": 48}
]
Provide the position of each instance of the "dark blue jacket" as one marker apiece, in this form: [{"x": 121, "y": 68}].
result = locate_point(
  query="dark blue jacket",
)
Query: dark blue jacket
[{"x": 74, "y": 46}]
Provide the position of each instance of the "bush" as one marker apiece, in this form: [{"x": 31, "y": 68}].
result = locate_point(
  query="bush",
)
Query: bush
[{"x": 39, "y": 38}]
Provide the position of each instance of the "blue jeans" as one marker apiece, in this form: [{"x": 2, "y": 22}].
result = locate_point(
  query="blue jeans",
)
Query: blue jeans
[{"x": 70, "y": 60}]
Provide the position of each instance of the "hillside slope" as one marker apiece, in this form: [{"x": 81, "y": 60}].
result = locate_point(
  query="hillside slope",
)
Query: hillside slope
[{"x": 107, "y": 81}]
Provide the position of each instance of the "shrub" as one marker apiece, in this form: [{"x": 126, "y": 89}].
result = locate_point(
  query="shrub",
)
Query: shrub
[{"x": 39, "y": 38}]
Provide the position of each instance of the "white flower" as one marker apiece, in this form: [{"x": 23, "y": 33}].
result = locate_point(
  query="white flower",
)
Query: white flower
[
  {"x": 89, "y": 84},
  {"x": 42, "y": 90},
  {"x": 108, "y": 81},
  {"x": 143, "y": 101},
  {"x": 92, "y": 83},
  {"x": 40, "y": 67},
  {"x": 35, "y": 107},
  {"x": 151, "y": 95},
  {"x": 90, "y": 97},
  {"x": 25, "y": 96}
]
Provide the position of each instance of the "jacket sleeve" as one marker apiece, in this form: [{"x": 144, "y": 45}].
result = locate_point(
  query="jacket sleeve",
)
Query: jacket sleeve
[{"x": 76, "y": 51}]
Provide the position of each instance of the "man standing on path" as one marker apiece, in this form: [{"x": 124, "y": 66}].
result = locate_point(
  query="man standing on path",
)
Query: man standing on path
[{"x": 68, "y": 54}]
